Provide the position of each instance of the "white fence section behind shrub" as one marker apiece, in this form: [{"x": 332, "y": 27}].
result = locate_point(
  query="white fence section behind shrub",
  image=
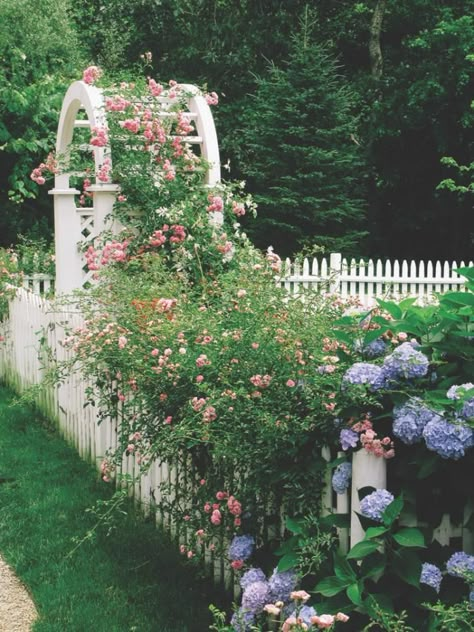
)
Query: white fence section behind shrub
[
  {"x": 39, "y": 283},
  {"x": 371, "y": 279},
  {"x": 35, "y": 329}
]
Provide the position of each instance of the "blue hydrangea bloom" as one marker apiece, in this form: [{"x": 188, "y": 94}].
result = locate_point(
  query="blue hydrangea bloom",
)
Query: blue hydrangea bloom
[
  {"x": 373, "y": 505},
  {"x": 405, "y": 362},
  {"x": 431, "y": 575},
  {"x": 348, "y": 438},
  {"x": 251, "y": 576},
  {"x": 374, "y": 349},
  {"x": 305, "y": 613},
  {"x": 255, "y": 596},
  {"x": 241, "y": 547},
  {"x": 281, "y": 585},
  {"x": 242, "y": 621},
  {"x": 410, "y": 419},
  {"x": 364, "y": 373},
  {"x": 449, "y": 440},
  {"x": 460, "y": 564},
  {"x": 341, "y": 477},
  {"x": 456, "y": 392}
]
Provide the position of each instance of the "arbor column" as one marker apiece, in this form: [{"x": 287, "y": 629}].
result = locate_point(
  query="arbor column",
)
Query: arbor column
[{"x": 67, "y": 235}]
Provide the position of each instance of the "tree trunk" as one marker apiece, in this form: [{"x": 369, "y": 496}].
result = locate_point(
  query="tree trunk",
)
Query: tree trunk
[{"x": 375, "y": 51}]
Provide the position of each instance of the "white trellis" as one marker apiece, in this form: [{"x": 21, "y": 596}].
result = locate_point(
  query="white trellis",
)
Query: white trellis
[{"x": 84, "y": 107}]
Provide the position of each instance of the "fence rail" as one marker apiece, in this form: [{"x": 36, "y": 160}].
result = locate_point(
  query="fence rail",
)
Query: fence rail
[
  {"x": 369, "y": 279},
  {"x": 365, "y": 279}
]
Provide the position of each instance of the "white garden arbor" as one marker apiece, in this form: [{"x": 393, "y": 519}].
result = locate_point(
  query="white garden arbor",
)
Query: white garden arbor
[{"x": 84, "y": 107}]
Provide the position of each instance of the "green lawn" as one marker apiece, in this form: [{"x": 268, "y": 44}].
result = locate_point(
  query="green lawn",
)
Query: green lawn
[{"x": 130, "y": 580}]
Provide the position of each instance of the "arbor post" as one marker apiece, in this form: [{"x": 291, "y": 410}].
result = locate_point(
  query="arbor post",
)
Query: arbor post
[{"x": 67, "y": 231}]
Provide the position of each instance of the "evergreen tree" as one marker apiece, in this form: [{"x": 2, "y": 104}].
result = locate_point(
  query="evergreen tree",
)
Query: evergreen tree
[{"x": 303, "y": 161}]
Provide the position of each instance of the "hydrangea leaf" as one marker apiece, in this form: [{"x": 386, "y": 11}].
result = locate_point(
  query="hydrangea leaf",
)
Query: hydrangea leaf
[
  {"x": 375, "y": 532},
  {"x": 290, "y": 560},
  {"x": 393, "y": 510},
  {"x": 354, "y": 592},
  {"x": 410, "y": 536},
  {"x": 331, "y": 586},
  {"x": 343, "y": 569},
  {"x": 407, "y": 566},
  {"x": 373, "y": 565},
  {"x": 362, "y": 549}
]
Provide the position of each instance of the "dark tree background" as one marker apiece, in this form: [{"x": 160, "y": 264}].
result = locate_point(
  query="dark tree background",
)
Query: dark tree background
[{"x": 339, "y": 129}]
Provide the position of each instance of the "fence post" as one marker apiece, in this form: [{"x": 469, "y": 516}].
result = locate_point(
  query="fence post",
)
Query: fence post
[
  {"x": 367, "y": 470},
  {"x": 335, "y": 269}
]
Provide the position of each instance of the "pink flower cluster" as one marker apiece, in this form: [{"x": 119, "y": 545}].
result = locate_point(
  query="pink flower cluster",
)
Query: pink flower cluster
[
  {"x": 212, "y": 98},
  {"x": 216, "y": 204},
  {"x": 379, "y": 447},
  {"x": 91, "y": 74},
  {"x": 183, "y": 125},
  {"x": 155, "y": 88},
  {"x": 114, "y": 251},
  {"x": 103, "y": 175},
  {"x": 233, "y": 506},
  {"x": 116, "y": 104},
  {"x": 157, "y": 239},
  {"x": 132, "y": 125},
  {"x": 99, "y": 136},
  {"x": 50, "y": 165},
  {"x": 238, "y": 209},
  {"x": 170, "y": 172},
  {"x": 261, "y": 381}
]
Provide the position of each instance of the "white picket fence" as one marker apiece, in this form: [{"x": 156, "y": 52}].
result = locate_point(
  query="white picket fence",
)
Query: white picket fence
[
  {"x": 366, "y": 280},
  {"x": 371, "y": 279},
  {"x": 34, "y": 320}
]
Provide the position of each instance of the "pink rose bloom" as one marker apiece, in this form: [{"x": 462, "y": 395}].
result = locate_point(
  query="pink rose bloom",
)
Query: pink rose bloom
[
  {"x": 155, "y": 352},
  {"x": 207, "y": 507},
  {"x": 300, "y": 595},
  {"x": 291, "y": 383},
  {"x": 324, "y": 621},
  {"x": 237, "y": 564},
  {"x": 216, "y": 517},
  {"x": 199, "y": 378},
  {"x": 340, "y": 616}
]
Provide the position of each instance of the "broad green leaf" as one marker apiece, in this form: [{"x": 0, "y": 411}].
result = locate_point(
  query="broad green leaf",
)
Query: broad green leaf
[
  {"x": 461, "y": 298},
  {"x": 342, "y": 521},
  {"x": 407, "y": 565},
  {"x": 392, "y": 308},
  {"x": 343, "y": 569},
  {"x": 293, "y": 525},
  {"x": 409, "y": 536},
  {"x": 373, "y": 565},
  {"x": 331, "y": 586},
  {"x": 290, "y": 560},
  {"x": 354, "y": 592},
  {"x": 375, "y": 532},
  {"x": 393, "y": 510},
  {"x": 361, "y": 549}
]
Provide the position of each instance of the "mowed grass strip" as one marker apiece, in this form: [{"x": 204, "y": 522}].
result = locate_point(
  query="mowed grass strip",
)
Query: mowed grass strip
[{"x": 131, "y": 580}]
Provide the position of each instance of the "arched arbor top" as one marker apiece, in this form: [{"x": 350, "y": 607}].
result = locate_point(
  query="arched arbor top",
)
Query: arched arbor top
[{"x": 84, "y": 107}]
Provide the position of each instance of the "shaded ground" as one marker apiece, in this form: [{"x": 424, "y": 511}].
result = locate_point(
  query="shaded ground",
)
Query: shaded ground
[{"x": 130, "y": 581}]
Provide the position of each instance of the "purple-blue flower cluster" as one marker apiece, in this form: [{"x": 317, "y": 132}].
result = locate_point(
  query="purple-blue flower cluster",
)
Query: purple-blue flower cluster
[
  {"x": 410, "y": 419},
  {"x": 305, "y": 613},
  {"x": 348, "y": 438},
  {"x": 374, "y": 349},
  {"x": 281, "y": 585},
  {"x": 457, "y": 392},
  {"x": 405, "y": 362},
  {"x": 242, "y": 621},
  {"x": 341, "y": 477},
  {"x": 449, "y": 440},
  {"x": 364, "y": 373},
  {"x": 431, "y": 575},
  {"x": 373, "y": 505},
  {"x": 255, "y": 596},
  {"x": 460, "y": 564},
  {"x": 251, "y": 576},
  {"x": 241, "y": 547}
]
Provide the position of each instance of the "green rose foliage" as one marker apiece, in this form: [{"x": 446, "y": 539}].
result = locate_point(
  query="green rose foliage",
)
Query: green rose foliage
[{"x": 188, "y": 341}]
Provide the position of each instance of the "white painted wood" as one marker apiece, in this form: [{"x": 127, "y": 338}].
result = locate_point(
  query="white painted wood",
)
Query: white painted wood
[{"x": 367, "y": 470}]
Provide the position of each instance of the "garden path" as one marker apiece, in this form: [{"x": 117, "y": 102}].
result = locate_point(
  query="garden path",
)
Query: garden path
[{"x": 17, "y": 610}]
